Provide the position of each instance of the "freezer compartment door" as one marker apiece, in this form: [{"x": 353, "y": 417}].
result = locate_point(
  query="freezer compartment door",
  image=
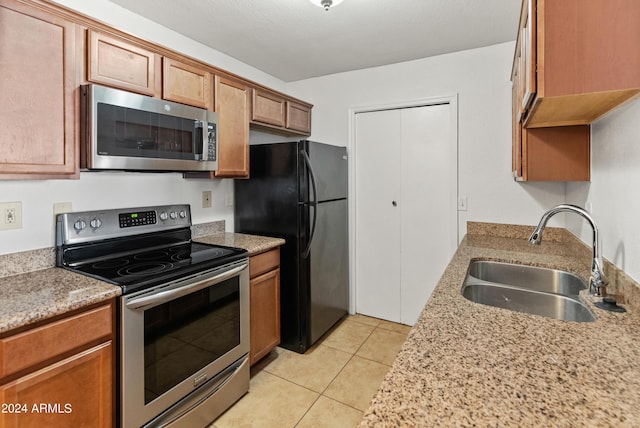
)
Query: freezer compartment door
[
  {"x": 329, "y": 268},
  {"x": 329, "y": 167}
]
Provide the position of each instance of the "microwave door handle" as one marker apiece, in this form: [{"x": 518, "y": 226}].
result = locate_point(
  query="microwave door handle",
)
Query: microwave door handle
[
  {"x": 166, "y": 296},
  {"x": 201, "y": 128},
  {"x": 205, "y": 140}
]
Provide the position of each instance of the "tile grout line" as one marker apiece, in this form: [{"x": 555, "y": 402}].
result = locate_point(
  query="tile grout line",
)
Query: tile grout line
[
  {"x": 352, "y": 355},
  {"x": 321, "y": 394}
]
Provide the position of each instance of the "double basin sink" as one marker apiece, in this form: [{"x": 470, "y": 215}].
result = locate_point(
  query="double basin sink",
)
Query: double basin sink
[{"x": 540, "y": 291}]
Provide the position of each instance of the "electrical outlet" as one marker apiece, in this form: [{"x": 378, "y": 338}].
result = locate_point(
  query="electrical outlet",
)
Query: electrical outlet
[
  {"x": 10, "y": 215},
  {"x": 206, "y": 199}
]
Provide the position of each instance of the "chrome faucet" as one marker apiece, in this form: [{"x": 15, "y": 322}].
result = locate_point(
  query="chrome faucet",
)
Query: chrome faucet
[{"x": 597, "y": 278}]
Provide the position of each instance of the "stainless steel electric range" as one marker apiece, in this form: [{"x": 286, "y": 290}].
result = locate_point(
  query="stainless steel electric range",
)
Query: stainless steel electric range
[{"x": 183, "y": 317}]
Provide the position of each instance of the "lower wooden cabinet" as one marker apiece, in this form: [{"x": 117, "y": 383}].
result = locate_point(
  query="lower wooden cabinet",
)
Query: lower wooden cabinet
[
  {"x": 60, "y": 373},
  {"x": 265, "y": 303}
]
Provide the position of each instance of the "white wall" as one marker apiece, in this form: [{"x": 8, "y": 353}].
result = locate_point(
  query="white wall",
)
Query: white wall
[
  {"x": 481, "y": 78},
  {"x": 99, "y": 190},
  {"x": 614, "y": 191}
]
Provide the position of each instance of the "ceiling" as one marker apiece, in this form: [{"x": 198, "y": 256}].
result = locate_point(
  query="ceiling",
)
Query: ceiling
[{"x": 294, "y": 40}]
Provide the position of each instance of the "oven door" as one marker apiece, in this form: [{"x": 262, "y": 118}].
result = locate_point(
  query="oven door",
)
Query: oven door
[{"x": 176, "y": 339}]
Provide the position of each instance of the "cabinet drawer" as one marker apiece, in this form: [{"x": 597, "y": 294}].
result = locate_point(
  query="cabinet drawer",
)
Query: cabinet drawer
[
  {"x": 264, "y": 262},
  {"x": 31, "y": 347}
]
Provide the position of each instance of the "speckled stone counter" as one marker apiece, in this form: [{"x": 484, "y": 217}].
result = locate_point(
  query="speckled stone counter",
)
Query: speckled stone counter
[
  {"x": 466, "y": 364},
  {"x": 252, "y": 243},
  {"x": 34, "y": 296},
  {"x": 47, "y": 291}
]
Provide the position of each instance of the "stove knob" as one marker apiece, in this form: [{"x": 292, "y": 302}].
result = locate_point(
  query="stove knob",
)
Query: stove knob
[
  {"x": 79, "y": 224},
  {"x": 95, "y": 223},
  {"x": 173, "y": 215},
  {"x": 183, "y": 214},
  {"x": 163, "y": 216}
]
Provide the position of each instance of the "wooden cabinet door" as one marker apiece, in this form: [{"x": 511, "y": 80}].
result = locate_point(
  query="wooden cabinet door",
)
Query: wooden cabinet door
[
  {"x": 588, "y": 60},
  {"x": 268, "y": 107},
  {"x": 528, "y": 56},
  {"x": 232, "y": 103},
  {"x": 561, "y": 153},
  {"x": 114, "y": 62},
  {"x": 186, "y": 84},
  {"x": 299, "y": 117},
  {"x": 75, "y": 392},
  {"x": 38, "y": 83},
  {"x": 265, "y": 314}
]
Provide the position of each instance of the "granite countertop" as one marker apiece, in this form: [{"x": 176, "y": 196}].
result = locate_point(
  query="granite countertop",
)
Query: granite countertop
[
  {"x": 466, "y": 364},
  {"x": 29, "y": 297},
  {"x": 34, "y": 296},
  {"x": 252, "y": 243}
]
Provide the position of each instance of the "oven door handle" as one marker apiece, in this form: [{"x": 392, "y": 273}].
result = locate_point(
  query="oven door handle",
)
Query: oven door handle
[{"x": 166, "y": 296}]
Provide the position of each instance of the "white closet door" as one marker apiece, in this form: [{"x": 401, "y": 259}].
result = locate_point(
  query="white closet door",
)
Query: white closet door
[
  {"x": 428, "y": 213},
  {"x": 409, "y": 157},
  {"x": 377, "y": 220}
]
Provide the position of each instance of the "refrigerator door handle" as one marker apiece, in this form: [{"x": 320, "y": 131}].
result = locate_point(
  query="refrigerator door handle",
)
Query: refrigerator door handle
[{"x": 312, "y": 204}]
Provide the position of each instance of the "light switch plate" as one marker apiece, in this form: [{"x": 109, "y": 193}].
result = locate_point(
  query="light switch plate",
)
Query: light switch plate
[
  {"x": 462, "y": 203},
  {"x": 206, "y": 199}
]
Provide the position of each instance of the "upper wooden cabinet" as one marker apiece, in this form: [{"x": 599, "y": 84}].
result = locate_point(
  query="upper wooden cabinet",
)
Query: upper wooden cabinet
[
  {"x": 298, "y": 117},
  {"x": 280, "y": 113},
  {"x": 560, "y": 153},
  {"x": 115, "y": 62},
  {"x": 186, "y": 84},
  {"x": 38, "y": 83},
  {"x": 47, "y": 51},
  {"x": 268, "y": 108},
  {"x": 232, "y": 103},
  {"x": 574, "y": 62},
  {"x": 587, "y": 58}
]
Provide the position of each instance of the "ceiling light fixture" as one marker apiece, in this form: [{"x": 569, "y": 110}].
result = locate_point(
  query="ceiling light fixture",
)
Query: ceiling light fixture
[{"x": 326, "y": 4}]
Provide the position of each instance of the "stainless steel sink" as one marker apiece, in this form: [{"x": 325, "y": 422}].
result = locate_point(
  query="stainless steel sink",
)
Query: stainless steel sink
[
  {"x": 534, "y": 290},
  {"x": 529, "y": 277}
]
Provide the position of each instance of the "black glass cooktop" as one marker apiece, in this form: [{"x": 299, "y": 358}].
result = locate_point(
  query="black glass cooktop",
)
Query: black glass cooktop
[{"x": 146, "y": 268}]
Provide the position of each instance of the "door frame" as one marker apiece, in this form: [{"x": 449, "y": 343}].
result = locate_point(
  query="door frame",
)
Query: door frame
[{"x": 452, "y": 101}]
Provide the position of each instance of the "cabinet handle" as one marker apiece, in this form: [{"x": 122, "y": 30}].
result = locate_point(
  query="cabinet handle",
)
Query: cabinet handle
[{"x": 394, "y": 203}]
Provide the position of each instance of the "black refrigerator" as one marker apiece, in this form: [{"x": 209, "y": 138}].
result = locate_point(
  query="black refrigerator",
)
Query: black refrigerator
[{"x": 298, "y": 191}]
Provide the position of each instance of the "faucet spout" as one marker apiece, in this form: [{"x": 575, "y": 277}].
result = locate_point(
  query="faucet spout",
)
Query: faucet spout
[{"x": 597, "y": 278}]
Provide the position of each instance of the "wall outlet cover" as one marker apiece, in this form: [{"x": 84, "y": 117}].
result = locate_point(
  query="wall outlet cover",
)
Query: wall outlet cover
[{"x": 10, "y": 215}]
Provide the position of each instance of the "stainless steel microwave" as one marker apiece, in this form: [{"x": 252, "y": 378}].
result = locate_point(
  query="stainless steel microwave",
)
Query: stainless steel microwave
[{"x": 126, "y": 131}]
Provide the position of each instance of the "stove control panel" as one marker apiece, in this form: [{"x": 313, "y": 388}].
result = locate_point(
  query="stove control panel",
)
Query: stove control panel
[
  {"x": 137, "y": 218},
  {"x": 77, "y": 227}
]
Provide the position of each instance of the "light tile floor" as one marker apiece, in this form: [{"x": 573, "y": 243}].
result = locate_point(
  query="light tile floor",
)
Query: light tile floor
[{"x": 331, "y": 385}]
